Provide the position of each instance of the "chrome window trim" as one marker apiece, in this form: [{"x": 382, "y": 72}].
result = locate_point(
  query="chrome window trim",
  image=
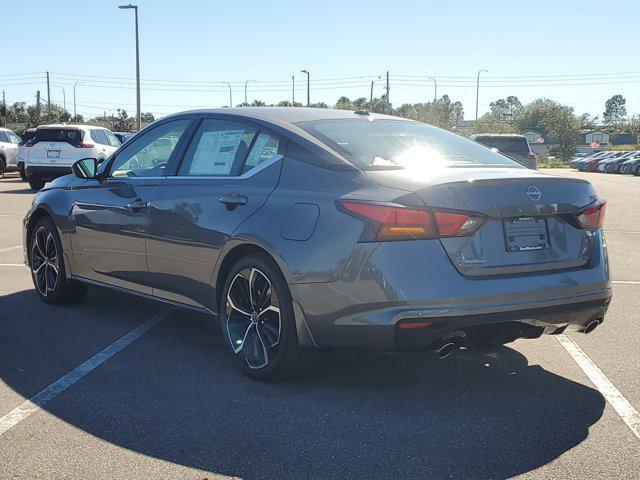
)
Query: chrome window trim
[{"x": 258, "y": 168}]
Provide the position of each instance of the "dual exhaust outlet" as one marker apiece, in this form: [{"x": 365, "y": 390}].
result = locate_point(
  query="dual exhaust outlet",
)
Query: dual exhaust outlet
[{"x": 448, "y": 348}]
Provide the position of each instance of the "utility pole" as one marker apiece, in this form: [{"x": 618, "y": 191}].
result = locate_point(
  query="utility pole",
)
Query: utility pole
[
  {"x": 245, "y": 90},
  {"x": 230, "y": 97},
  {"x": 478, "y": 91},
  {"x": 138, "y": 112},
  {"x": 308, "y": 86},
  {"x": 4, "y": 104},
  {"x": 38, "y": 106},
  {"x": 373, "y": 82},
  {"x": 48, "y": 98},
  {"x": 388, "y": 103},
  {"x": 75, "y": 113},
  {"x": 435, "y": 88},
  {"x": 293, "y": 90}
]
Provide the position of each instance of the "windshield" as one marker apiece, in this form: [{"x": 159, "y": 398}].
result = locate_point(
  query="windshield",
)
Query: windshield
[{"x": 379, "y": 144}]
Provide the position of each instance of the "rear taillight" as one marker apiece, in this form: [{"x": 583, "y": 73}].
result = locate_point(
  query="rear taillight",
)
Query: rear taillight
[
  {"x": 396, "y": 222},
  {"x": 83, "y": 145},
  {"x": 591, "y": 217}
]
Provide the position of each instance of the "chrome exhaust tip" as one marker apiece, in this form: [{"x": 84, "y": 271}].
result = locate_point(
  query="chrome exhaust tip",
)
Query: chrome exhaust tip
[
  {"x": 591, "y": 326},
  {"x": 445, "y": 350}
]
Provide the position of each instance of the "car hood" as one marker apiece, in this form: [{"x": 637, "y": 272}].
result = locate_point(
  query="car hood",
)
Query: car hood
[{"x": 62, "y": 182}]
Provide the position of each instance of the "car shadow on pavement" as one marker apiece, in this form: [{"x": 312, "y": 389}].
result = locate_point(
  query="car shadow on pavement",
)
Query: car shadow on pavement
[
  {"x": 174, "y": 395},
  {"x": 22, "y": 191}
]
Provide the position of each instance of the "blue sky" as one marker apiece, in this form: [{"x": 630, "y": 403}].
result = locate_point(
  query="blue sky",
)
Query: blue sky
[{"x": 576, "y": 52}]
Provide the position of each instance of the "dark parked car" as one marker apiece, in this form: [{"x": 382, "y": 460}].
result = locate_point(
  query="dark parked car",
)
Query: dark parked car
[
  {"x": 307, "y": 229},
  {"x": 123, "y": 136},
  {"x": 515, "y": 147}
]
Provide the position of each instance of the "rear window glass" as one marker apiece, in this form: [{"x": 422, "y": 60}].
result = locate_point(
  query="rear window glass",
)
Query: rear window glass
[
  {"x": 58, "y": 135},
  {"x": 506, "y": 144},
  {"x": 28, "y": 136},
  {"x": 383, "y": 144}
]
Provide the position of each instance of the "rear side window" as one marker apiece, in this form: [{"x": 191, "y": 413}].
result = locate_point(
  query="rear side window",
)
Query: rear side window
[
  {"x": 112, "y": 139},
  {"x": 510, "y": 145},
  {"x": 58, "y": 135},
  {"x": 98, "y": 136},
  {"x": 3, "y": 137},
  {"x": 219, "y": 148}
]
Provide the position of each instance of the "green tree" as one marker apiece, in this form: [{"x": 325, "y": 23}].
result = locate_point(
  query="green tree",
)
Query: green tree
[
  {"x": 506, "y": 109},
  {"x": 563, "y": 126},
  {"x": 147, "y": 117},
  {"x": 533, "y": 115},
  {"x": 123, "y": 122},
  {"x": 344, "y": 103},
  {"x": 287, "y": 103},
  {"x": 493, "y": 122},
  {"x": 615, "y": 110},
  {"x": 442, "y": 113}
]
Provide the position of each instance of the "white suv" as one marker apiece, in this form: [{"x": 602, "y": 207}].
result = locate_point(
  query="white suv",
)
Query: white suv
[
  {"x": 8, "y": 150},
  {"x": 55, "y": 148}
]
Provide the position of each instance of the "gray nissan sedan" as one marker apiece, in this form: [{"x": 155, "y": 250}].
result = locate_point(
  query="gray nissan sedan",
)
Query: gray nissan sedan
[{"x": 306, "y": 229}]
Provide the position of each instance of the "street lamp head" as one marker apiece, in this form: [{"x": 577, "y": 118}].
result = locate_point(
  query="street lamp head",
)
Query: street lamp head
[
  {"x": 126, "y": 7},
  {"x": 304, "y": 71}
]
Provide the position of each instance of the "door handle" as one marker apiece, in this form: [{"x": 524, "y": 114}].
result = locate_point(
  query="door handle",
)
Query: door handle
[
  {"x": 232, "y": 201},
  {"x": 137, "y": 205}
]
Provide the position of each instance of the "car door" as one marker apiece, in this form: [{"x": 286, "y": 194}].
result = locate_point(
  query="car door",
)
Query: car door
[
  {"x": 110, "y": 215},
  {"x": 227, "y": 173}
]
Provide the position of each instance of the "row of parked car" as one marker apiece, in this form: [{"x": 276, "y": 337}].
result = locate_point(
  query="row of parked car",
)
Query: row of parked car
[
  {"x": 608, "y": 162},
  {"x": 47, "y": 152}
]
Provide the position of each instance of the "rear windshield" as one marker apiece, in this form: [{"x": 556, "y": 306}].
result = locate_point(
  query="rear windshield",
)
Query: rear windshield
[
  {"x": 58, "y": 135},
  {"x": 506, "y": 144},
  {"x": 386, "y": 143}
]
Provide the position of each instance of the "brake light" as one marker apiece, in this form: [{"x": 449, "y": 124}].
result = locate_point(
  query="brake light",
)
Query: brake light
[
  {"x": 592, "y": 217},
  {"x": 396, "y": 222},
  {"x": 83, "y": 145}
]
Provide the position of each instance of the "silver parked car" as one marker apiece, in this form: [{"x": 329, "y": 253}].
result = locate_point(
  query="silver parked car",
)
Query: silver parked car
[{"x": 305, "y": 229}]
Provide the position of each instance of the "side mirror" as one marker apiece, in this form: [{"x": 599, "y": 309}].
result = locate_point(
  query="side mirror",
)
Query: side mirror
[{"x": 85, "y": 168}]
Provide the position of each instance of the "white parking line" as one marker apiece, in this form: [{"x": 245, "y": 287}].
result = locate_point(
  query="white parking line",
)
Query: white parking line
[
  {"x": 18, "y": 414},
  {"x": 625, "y": 282},
  {"x": 12, "y": 265},
  {"x": 629, "y": 415},
  {"x": 8, "y": 249}
]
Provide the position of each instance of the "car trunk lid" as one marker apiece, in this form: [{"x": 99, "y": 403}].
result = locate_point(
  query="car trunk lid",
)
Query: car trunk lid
[{"x": 526, "y": 213}]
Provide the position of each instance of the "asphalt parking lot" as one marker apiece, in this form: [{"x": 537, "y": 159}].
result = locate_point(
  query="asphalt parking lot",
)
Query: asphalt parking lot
[{"x": 170, "y": 404}]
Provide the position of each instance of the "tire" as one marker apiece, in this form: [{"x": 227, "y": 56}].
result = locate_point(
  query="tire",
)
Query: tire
[
  {"x": 47, "y": 266},
  {"x": 23, "y": 174},
  {"x": 263, "y": 342},
  {"x": 637, "y": 172},
  {"x": 3, "y": 167},
  {"x": 36, "y": 184}
]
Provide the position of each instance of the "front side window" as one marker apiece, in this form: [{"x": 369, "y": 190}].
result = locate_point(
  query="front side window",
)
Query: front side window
[
  {"x": 384, "y": 144},
  {"x": 149, "y": 153},
  {"x": 219, "y": 148},
  {"x": 3, "y": 137}
]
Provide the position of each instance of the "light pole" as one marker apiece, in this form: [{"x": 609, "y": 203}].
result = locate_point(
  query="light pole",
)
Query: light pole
[
  {"x": 478, "y": 91},
  {"x": 293, "y": 90},
  {"x": 138, "y": 113},
  {"x": 435, "y": 88},
  {"x": 373, "y": 82},
  {"x": 308, "y": 86},
  {"x": 245, "y": 90},
  {"x": 64, "y": 96},
  {"x": 230, "y": 97},
  {"x": 75, "y": 113}
]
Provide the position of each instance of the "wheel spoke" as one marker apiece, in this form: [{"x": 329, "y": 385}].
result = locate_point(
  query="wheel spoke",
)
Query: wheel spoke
[
  {"x": 50, "y": 248},
  {"x": 238, "y": 297},
  {"x": 40, "y": 243},
  {"x": 260, "y": 288},
  {"x": 254, "y": 349}
]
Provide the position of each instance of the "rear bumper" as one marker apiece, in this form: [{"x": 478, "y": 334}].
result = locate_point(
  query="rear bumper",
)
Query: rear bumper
[
  {"x": 366, "y": 309},
  {"x": 45, "y": 172}
]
